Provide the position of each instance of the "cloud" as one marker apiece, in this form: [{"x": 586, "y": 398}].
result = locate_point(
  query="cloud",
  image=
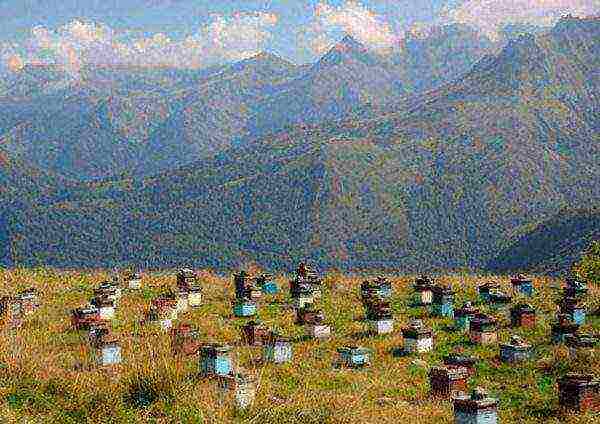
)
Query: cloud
[
  {"x": 491, "y": 15},
  {"x": 353, "y": 18},
  {"x": 85, "y": 42}
]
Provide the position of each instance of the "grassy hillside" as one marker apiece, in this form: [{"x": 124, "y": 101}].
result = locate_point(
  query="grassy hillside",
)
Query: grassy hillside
[{"x": 47, "y": 373}]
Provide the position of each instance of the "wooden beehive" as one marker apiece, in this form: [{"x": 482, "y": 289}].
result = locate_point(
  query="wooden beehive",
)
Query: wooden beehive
[
  {"x": 277, "y": 349},
  {"x": 486, "y": 288},
  {"x": 241, "y": 386},
  {"x": 463, "y": 315},
  {"x": 483, "y": 330},
  {"x": 309, "y": 315},
  {"x": 443, "y": 302},
  {"x": 215, "y": 360},
  {"x": 463, "y": 361},
  {"x": 134, "y": 281},
  {"x": 354, "y": 356},
  {"x": 184, "y": 340},
  {"x": 186, "y": 279},
  {"x": 82, "y": 318},
  {"x": 562, "y": 328},
  {"x": 522, "y": 315},
  {"x": 254, "y": 333},
  {"x": 478, "y": 408},
  {"x": 579, "y": 392},
  {"x": 522, "y": 285},
  {"x": 574, "y": 308},
  {"x": 448, "y": 381},
  {"x": 517, "y": 350},
  {"x": 183, "y": 304},
  {"x": 417, "y": 337}
]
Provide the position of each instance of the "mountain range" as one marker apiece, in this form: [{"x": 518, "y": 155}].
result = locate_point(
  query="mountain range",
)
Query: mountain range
[{"x": 344, "y": 162}]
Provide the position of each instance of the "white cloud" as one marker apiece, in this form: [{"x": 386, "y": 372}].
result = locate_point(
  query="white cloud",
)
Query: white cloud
[
  {"x": 352, "y": 18},
  {"x": 83, "y": 42},
  {"x": 491, "y": 15}
]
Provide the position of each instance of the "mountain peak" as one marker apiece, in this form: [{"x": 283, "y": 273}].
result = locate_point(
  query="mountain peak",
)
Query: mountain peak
[
  {"x": 349, "y": 43},
  {"x": 347, "y": 49}
]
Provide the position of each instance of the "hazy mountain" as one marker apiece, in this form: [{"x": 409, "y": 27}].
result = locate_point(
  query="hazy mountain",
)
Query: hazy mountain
[
  {"x": 140, "y": 121},
  {"x": 445, "y": 182}
]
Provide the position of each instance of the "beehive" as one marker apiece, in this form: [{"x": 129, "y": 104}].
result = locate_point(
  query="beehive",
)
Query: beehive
[
  {"x": 515, "y": 351},
  {"x": 277, "y": 349},
  {"x": 478, "y": 408},
  {"x": 254, "y": 333},
  {"x": 109, "y": 351},
  {"x": 134, "y": 280},
  {"x": 381, "y": 326},
  {"x": 186, "y": 279},
  {"x": 581, "y": 343},
  {"x": 579, "y": 392},
  {"x": 354, "y": 356},
  {"x": 244, "y": 308},
  {"x": 522, "y": 285},
  {"x": 195, "y": 297},
  {"x": 463, "y": 315},
  {"x": 448, "y": 381},
  {"x": 457, "y": 360},
  {"x": 443, "y": 302},
  {"x": 483, "y": 330},
  {"x": 184, "y": 340},
  {"x": 562, "y": 328},
  {"x": 267, "y": 284},
  {"x": 417, "y": 337},
  {"x": 308, "y": 315},
  {"x": 182, "y": 301},
  {"x": 522, "y": 315},
  {"x": 215, "y": 360},
  {"x": 318, "y": 331},
  {"x": 423, "y": 288},
  {"x": 303, "y": 298},
  {"x": 82, "y": 318},
  {"x": 241, "y": 386},
  {"x": 29, "y": 300},
  {"x": 485, "y": 289},
  {"x": 106, "y": 307},
  {"x": 574, "y": 309}
]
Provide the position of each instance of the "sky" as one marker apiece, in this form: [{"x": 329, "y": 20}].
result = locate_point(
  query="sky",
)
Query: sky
[{"x": 198, "y": 33}]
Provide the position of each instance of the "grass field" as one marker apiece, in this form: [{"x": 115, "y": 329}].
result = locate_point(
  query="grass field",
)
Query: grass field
[{"x": 47, "y": 374}]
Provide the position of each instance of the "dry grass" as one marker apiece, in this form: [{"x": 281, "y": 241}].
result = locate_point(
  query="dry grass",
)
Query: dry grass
[{"x": 47, "y": 374}]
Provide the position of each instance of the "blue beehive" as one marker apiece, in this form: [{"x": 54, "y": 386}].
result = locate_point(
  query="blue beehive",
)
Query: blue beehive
[
  {"x": 278, "y": 349},
  {"x": 443, "y": 302},
  {"x": 462, "y": 316},
  {"x": 574, "y": 309},
  {"x": 515, "y": 351},
  {"x": 355, "y": 356},
  {"x": 522, "y": 285},
  {"x": 478, "y": 408},
  {"x": 215, "y": 359},
  {"x": 270, "y": 287},
  {"x": 485, "y": 289},
  {"x": 244, "y": 308}
]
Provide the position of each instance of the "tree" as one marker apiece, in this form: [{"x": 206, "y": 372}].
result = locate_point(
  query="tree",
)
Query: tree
[{"x": 588, "y": 268}]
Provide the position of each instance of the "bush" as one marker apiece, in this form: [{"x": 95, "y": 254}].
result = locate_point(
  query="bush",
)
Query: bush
[{"x": 589, "y": 267}]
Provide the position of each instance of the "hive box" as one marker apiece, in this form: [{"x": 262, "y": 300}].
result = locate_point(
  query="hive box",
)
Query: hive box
[
  {"x": 483, "y": 330},
  {"x": 108, "y": 352},
  {"x": 106, "y": 307},
  {"x": 215, "y": 360},
  {"x": 277, "y": 349},
  {"x": 417, "y": 338},
  {"x": 245, "y": 308},
  {"x": 318, "y": 331},
  {"x": 462, "y": 316},
  {"x": 254, "y": 333},
  {"x": 515, "y": 351},
  {"x": 195, "y": 297},
  {"x": 423, "y": 288},
  {"x": 182, "y": 301},
  {"x": 579, "y": 392},
  {"x": 485, "y": 289},
  {"x": 186, "y": 279},
  {"x": 574, "y": 309},
  {"x": 243, "y": 388},
  {"x": 29, "y": 300},
  {"x": 448, "y": 381},
  {"x": 381, "y": 326},
  {"x": 82, "y": 318},
  {"x": 354, "y": 356},
  {"x": 443, "y": 302},
  {"x": 523, "y": 286},
  {"x": 562, "y": 328},
  {"x": 457, "y": 360},
  {"x": 522, "y": 315},
  {"x": 478, "y": 408}
]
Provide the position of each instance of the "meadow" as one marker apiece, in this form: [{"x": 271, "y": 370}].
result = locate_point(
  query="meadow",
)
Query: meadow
[{"x": 47, "y": 373}]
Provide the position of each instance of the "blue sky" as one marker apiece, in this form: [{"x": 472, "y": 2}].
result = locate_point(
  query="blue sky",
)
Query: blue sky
[{"x": 198, "y": 32}]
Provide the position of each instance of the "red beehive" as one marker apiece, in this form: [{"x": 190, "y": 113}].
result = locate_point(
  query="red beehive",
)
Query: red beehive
[{"x": 82, "y": 318}]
